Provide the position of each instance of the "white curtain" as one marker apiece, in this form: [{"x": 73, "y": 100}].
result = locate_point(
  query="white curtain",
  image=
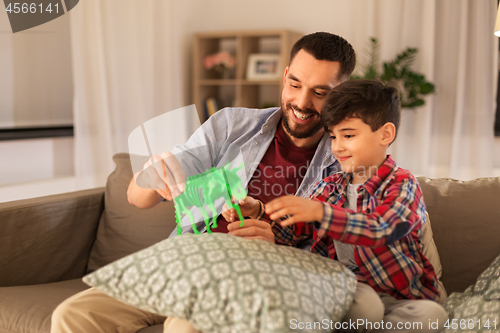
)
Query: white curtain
[
  {"x": 452, "y": 135},
  {"x": 125, "y": 73}
]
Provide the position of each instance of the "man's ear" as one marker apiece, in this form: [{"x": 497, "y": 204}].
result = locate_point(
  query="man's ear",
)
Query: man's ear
[
  {"x": 284, "y": 75},
  {"x": 388, "y": 134}
]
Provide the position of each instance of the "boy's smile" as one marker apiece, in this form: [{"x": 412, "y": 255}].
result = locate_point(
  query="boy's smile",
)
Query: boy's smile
[{"x": 358, "y": 149}]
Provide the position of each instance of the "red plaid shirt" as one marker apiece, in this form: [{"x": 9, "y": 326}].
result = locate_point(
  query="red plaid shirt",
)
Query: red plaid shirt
[{"x": 386, "y": 231}]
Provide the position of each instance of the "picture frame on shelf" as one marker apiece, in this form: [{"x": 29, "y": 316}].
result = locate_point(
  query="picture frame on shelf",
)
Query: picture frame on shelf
[{"x": 264, "y": 66}]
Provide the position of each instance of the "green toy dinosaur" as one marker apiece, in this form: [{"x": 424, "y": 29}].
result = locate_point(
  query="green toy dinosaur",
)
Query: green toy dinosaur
[{"x": 204, "y": 189}]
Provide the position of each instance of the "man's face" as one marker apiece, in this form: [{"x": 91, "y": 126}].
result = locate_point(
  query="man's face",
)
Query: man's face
[{"x": 306, "y": 83}]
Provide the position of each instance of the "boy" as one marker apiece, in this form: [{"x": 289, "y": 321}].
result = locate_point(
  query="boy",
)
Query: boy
[{"x": 369, "y": 217}]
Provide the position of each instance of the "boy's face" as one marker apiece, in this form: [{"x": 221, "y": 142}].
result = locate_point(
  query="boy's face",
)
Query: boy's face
[{"x": 358, "y": 149}]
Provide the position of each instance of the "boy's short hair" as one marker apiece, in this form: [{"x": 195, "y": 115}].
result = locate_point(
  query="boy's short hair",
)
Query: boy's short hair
[
  {"x": 330, "y": 47},
  {"x": 370, "y": 100}
]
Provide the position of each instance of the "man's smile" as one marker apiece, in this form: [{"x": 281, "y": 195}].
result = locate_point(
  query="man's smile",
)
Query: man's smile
[{"x": 302, "y": 117}]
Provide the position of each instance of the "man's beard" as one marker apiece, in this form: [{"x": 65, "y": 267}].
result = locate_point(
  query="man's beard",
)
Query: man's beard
[{"x": 295, "y": 133}]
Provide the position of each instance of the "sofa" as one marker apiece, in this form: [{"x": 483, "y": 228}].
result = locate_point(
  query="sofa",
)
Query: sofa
[{"x": 48, "y": 244}]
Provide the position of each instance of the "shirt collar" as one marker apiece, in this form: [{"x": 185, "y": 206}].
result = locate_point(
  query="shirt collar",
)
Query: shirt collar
[
  {"x": 341, "y": 179},
  {"x": 272, "y": 121},
  {"x": 384, "y": 171}
]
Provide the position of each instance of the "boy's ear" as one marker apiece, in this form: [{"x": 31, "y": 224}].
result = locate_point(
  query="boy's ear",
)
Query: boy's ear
[{"x": 388, "y": 131}]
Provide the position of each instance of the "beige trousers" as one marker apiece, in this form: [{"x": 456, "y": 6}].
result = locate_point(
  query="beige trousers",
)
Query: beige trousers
[
  {"x": 94, "y": 311},
  {"x": 370, "y": 308}
]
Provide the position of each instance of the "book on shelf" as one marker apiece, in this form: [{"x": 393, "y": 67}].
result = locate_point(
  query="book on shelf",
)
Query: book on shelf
[{"x": 210, "y": 107}]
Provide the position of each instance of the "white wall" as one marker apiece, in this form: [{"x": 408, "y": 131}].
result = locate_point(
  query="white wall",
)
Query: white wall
[
  {"x": 36, "y": 167},
  {"x": 33, "y": 160}
]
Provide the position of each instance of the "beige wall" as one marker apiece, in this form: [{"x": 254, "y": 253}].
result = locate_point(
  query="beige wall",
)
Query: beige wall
[
  {"x": 496, "y": 156},
  {"x": 35, "y": 80}
]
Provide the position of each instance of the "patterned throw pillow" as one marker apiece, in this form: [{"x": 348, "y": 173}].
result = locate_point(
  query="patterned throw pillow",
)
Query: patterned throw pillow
[
  {"x": 222, "y": 283},
  {"x": 477, "y": 309}
]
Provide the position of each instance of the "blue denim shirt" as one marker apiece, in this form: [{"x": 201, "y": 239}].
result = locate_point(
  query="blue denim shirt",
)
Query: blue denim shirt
[{"x": 248, "y": 133}]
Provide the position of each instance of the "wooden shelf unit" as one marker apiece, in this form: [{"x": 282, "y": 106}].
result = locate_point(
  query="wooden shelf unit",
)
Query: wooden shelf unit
[{"x": 237, "y": 90}]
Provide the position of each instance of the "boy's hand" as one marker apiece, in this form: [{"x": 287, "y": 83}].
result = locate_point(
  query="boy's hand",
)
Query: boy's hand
[
  {"x": 302, "y": 210},
  {"x": 248, "y": 207}
]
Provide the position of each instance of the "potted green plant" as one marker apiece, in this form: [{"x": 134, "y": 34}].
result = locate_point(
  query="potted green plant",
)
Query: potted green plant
[{"x": 412, "y": 86}]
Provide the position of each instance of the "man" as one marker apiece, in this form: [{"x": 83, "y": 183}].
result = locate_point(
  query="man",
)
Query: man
[{"x": 278, "y": 145}]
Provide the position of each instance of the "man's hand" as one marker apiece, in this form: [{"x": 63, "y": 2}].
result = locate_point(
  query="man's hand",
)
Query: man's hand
[
  {"x": 300, "y": 209},
  {"x": 162, "y": 176},
  {"x": 248, "y": 207},
  {"x": 163, "y": 173},
  {"x": 252, "y": 229}
]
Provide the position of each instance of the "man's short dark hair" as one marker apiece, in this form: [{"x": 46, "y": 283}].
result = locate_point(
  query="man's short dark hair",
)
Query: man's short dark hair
[
  {"x": 370, "y": 100},
  {"x": 330, "y": 47}
]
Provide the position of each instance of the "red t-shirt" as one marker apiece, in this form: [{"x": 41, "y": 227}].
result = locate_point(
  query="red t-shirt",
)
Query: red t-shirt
[{"x": 279, "y": 173}]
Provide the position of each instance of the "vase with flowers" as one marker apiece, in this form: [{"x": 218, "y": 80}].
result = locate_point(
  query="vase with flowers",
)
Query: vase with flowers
[{"x": 222, "y": 63}]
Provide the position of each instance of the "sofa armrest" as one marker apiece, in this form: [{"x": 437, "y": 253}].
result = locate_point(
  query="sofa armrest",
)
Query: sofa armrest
[{"x": 48, "y": 239}]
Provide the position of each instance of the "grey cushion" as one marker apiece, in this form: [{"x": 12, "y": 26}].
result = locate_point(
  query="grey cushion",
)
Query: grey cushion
[
  {"x": 124, "y": 228},
  {"x": 431, "y": 253},
  {"x": 478, "y": 308},
  {"x": 465, "y": 222},
  {"x": 27, "y": 309},
  {"x": 222, "y": 283}
]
